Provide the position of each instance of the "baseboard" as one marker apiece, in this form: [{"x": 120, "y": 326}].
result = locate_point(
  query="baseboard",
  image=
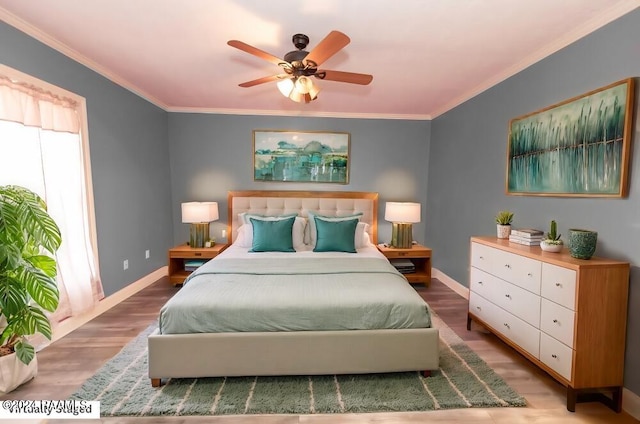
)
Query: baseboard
[
  {"x": 450, "y": 282},
  {"x": 631, "y": 403},
  {"x": 630, "y": 400},
  {"x": 70, "y": 324}
]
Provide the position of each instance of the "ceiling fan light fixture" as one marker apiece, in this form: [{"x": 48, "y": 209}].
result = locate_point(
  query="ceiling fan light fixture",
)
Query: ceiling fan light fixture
[
  {"x": 303, "y": 84},
  {"x": 299, "y": 89},
  {"x": 286, "y": 86}
]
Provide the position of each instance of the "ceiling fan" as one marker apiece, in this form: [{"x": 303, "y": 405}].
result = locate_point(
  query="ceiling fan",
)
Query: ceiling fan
[{"x": 299, "y": 65}]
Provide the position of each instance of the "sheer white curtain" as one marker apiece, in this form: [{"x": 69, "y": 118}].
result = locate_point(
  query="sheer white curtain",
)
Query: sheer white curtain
[{"x": 41, "y": 148}]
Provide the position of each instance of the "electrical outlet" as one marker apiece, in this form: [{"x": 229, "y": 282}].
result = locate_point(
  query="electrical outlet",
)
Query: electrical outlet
[
  {"x": 125, "y": 264},
  {"x": 146, "y": 254}
]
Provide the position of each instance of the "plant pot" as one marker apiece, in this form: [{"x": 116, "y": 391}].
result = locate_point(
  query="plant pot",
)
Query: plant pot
[
  {"x": 13, "y": 372},
  {"x": 503, "y": 231},
  {"x": 548, "y": 247},
  {"x": 582, "y": 243}
]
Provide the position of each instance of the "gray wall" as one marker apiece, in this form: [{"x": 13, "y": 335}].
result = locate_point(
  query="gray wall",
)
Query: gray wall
[
  {"x": 212, "y": 154},
  {"x": 469, "y": 147},
  {"x": 129, "y": 160}
]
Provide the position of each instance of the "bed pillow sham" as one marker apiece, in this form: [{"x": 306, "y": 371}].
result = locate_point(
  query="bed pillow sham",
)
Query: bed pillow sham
[
  {"x": 361, "y": 237},
  {"x": 244, "y": 237},
  {"x": 335, "y": 236},
  {"x": 272, "y": 235}
]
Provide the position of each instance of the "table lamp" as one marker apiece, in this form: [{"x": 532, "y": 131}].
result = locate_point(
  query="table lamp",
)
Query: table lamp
[
  {"x": 199, "y": 215},
  {"x": 402, "y": 215}
]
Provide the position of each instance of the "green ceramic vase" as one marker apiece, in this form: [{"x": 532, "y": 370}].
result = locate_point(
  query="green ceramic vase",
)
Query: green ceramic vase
[{"x": 582, "y": 243}]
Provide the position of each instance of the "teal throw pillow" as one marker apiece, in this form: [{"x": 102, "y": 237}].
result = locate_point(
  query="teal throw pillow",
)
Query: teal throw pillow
[
  {"x": 335, "y": 236},
  {"x": 272, "y": 236}
]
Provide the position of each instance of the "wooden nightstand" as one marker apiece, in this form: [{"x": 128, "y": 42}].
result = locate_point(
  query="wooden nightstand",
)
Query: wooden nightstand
[
  {"x": 178, "y": 254},
  {"x": 419, "y": 255}
]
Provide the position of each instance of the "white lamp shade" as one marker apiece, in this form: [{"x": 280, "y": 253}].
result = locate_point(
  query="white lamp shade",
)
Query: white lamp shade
[
  {"x": 286, "y": 86},
  {"x": 405, "y": 212},
  {"x": 197, "y": 212}
]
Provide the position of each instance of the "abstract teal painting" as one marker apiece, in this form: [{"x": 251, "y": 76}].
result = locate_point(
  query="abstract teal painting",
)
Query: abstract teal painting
[
  {"x": 301, "y": 156},
  {"x": 579, "y": 147}
]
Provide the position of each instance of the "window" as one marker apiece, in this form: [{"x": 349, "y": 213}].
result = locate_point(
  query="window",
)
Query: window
[{"x": 44, "y": 147}]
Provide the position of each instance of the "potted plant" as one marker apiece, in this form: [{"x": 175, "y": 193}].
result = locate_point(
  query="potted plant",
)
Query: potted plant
[
  {"x": 29, "y": 237},
  {"x": 503, "y": 221},
  {"x": 552, "y": 242}
]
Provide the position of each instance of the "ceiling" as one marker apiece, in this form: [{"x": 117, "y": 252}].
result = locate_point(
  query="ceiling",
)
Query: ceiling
[{"x": 426, "y": 56}]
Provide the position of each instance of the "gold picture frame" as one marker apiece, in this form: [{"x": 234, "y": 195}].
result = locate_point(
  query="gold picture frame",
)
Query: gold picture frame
[
  {"x": 301, "y": 156},
  {"x": 577, "y": 148}
]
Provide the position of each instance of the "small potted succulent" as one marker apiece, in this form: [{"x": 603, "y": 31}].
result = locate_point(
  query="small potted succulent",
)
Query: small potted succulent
[
  {"x": 552, "y": 242},
  {"x": 503, "y": 221}
]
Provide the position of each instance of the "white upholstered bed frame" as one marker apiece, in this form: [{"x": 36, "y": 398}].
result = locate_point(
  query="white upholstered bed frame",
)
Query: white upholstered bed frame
[{"x": 297, "y": 352}]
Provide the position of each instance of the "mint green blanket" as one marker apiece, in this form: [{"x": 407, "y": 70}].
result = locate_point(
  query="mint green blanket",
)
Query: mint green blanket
[{"x": 298, "y": 294}]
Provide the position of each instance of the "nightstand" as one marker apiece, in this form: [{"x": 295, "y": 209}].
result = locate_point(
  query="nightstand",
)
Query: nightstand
[
  {"x": 419, "y": 255},
  {"x": 178, "y": 255}
]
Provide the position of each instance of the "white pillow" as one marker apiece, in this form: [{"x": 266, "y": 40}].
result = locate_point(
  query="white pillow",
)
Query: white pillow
[
  {"x": 361, "y": 237},
  {"x": 245, "y": 232}
]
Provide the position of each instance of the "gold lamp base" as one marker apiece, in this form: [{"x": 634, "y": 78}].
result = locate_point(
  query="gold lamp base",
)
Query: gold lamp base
[
  {"x": 198, "y": 234},
  {"x": 401, "y": 235}
]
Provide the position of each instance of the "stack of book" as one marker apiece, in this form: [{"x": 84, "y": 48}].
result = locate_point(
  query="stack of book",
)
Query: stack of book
[
  {"x": 405, "y": 266},
  {"x": 193, "y": 264},
  {"x": 526, "y": 236}
]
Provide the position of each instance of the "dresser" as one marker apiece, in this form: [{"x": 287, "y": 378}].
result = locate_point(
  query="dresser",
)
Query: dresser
[{"x": 568, "y": 316}]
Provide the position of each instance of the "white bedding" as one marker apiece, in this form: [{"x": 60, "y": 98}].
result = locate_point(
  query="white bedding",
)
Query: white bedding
[{"x": 240, "y": 291}]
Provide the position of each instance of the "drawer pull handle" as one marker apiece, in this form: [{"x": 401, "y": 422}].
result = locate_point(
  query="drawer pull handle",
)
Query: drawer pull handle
[
  {"x": 479, "y": 282},
  {"x": 558, "y": 285},
  {"x": 507, "y": 325},
  {"x": 507, "y": 266},
  {"x": 482, "y": 257},
  {"x": 507, "y": 296},
  {"x": 478, "y": 308},
  {"x": 198, "y": 254},
  {"x": 555, "y": 321},
  {"x": 554, "y": 356},
  {"x": 529, "y": 274}
]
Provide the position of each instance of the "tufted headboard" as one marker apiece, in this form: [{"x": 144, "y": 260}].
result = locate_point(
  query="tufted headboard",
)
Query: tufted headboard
[{"x": 331, "y": 203}]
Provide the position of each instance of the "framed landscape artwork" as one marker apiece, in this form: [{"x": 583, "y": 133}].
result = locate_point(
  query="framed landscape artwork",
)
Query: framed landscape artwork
[
  {"x": 578, "y": 148},
  {"x": 301, "y": 156}
]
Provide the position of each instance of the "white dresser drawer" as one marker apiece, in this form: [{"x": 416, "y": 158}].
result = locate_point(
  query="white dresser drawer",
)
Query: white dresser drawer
[
  {"x": 557, "y": 321},
  {"x": 518, "y": 270},
  {"x": 481, "y": 256},
  {"x": 485, "y": 310},
  {"x": 483, "y": 283},
  {"x": 520, "y": 302},
  {"x": 556, "y": 355},
  {"x": 559, "y": 285},
  {"x": 524, "y": 335}
]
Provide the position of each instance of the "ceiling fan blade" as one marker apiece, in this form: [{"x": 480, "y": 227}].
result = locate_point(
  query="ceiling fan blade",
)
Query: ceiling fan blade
[
  {"x": 264, "y": 79},
  {"x": 330, "y": 45},
  {"x": 350, "y": 77},
  {"x": 255, "y": 51}
]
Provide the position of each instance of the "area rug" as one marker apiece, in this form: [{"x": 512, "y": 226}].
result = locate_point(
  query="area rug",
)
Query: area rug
[{"x": 464, "y": 380}]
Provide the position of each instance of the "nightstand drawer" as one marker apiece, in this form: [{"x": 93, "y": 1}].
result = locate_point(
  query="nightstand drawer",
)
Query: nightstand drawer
[
  {"x": 406, "y": 254},
  {"x": 195, "y": 254}
]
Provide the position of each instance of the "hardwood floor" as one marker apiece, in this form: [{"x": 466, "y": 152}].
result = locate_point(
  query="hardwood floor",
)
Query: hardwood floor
[{"x": 65, "y": 364}]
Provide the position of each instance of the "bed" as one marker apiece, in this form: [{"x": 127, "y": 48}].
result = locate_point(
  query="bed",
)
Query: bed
[{"x": 295, "y": 311}]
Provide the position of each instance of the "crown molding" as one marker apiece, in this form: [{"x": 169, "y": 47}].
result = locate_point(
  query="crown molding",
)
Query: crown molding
[
  {"x": 298, "y": 113},
  {"x": 612, "y": 14},
  {"x": 56, "y": 44},
  {"x": 615, "y": 12}
]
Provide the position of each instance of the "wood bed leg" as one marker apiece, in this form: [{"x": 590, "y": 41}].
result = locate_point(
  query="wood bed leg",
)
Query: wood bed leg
[
  {"x": 468, "y": 323},
  {"x": 426, "y": 373},
  {"x": 155, "y": 382},
  {"x": 616, "y": 401}
]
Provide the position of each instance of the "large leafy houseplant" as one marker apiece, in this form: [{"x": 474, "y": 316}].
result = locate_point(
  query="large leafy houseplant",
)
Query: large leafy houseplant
[{"x": 29, "y": 238}]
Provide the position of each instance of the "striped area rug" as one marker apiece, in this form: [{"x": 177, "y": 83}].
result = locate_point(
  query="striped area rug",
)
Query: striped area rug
[{"x": 464, "y": 381}]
